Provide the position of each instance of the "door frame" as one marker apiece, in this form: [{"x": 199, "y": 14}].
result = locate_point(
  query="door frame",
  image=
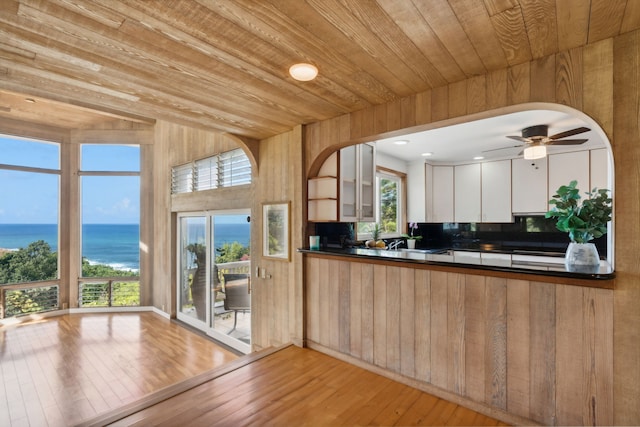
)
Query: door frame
[{"x": 207, "y": 326}]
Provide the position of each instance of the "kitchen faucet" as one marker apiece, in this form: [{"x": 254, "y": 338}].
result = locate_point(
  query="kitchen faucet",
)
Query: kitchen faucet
[{"x": 394, "y": 245}]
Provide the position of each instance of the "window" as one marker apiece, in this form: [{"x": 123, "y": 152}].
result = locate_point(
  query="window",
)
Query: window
[
  {"x": 389, "y": 206},
  {"x": 29, "y": 200},
  {"x": 224, "y": 170},
  {"x": 110, "y": 194}
]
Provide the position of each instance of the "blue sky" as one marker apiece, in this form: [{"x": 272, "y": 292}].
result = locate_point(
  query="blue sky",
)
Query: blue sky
[{"x": 32, "y": 198}]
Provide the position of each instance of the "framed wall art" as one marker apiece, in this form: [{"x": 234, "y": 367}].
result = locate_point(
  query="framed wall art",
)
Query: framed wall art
[{"x": 275, "y": 230}]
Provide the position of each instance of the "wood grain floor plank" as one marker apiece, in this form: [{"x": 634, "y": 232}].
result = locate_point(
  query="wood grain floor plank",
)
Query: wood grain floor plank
[
  {"x": 295, "y": 386},
  {"x": 65, "y": 369},
  {"x": 93, "y": 369},
  {"x": 415, "y": 415}
]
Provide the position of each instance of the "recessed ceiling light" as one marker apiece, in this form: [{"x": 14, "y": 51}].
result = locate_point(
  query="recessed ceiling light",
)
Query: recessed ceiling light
[
  {"x": 401, "y": 142},
  {"x": 30, "y": 100},
  {"x": 478, "y": 158},
  {"x": 427, "y": 154},
  {"x": 303, "y": 72}
]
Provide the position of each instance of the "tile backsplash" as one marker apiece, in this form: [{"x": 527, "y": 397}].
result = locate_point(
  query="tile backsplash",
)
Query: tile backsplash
[{"x": 534, "y": 233}]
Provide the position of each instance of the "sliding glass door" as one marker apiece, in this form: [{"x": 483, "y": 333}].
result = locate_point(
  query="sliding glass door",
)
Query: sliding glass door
[{"x": 216, "y": 300}]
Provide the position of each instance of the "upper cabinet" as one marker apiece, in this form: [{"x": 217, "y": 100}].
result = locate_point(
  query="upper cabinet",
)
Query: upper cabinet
[
  {"x": 416, "y": 194},
  {"x": 344, "y": 189},
  {"x": 440, "y": 200},
  {"x": 536, "y": 181},
  {"x": 477, "y": 192},
  {"x": 567, "y": 167},
  {"x": 529, "y": 186},
  {"x": 357, "y": 183},
  {"x": 496, "y": 191},
  {"x": 468, "y": 193},
  {"x": 599, "y": 167}
]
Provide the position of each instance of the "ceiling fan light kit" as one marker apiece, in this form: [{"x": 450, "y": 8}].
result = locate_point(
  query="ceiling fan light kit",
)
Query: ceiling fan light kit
[
  {"x": 536, "y": 140},
  {"x": 535, "y": 152}
]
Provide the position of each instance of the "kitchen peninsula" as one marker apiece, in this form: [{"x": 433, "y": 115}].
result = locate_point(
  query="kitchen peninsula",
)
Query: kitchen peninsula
[
  {"x": 498, "y": 334},
  {"x": 488, "y": 262}
]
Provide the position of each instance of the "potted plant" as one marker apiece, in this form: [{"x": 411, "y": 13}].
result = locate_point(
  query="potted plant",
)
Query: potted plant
[
  {"x": 584, "y": 220},
  {"x": 411, "y": 239}
]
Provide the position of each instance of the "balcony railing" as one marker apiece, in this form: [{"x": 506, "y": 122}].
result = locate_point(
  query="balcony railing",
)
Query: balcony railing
[
  {"x": 110, "y": 292},
  {"x": 28, "y": 298},
  {"x": 234, "y": 267}
]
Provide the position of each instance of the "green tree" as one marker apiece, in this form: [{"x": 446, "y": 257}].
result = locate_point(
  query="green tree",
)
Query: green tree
[
  {"x": 388, "y": 205},
  {"x": 101, "y": 270},
  {"x": 30, "y": 264},
  {"x": 230, "y": 252}
]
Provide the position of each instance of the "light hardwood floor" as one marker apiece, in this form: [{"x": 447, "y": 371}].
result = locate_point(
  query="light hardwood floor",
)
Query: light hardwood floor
[
  {"x": 62, "y": 370},
  {"x": 302, "y": 387},
  {"x": 141, "y": 369}
]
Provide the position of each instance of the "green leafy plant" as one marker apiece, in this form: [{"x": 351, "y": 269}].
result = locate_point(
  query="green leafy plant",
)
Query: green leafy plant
[
  {"x": 375, "y": 231},
  {"x": 412, "y": 226},
  {"x": 583, "y": 221}
]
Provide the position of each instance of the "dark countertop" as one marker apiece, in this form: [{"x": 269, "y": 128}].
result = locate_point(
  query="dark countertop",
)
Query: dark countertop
[{"x": 526, "y": 262}]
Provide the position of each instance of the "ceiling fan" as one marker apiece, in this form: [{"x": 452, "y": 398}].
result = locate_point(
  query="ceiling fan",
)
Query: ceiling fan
[{"x": 536, "y": 139}]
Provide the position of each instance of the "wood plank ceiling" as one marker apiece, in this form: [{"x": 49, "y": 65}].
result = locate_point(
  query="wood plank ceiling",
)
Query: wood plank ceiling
[{"x": 223, "y": 64}]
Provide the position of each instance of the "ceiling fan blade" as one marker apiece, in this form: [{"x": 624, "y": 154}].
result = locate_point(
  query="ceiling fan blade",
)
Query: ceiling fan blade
[
  {"x": 519, "y": 138},
  {"x": 569, "y": 133},
  {"x": 502, "y": 148},
  {"x": 567, "y": 142}
]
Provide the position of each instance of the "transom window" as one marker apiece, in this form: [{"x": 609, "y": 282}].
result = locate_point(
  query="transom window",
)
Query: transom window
[{"x": 223, "y": 170}]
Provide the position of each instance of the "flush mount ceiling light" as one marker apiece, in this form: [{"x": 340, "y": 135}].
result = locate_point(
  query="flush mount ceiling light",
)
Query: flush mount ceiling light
[
  {"x": 535, "y": 152},
  {"x": 478, "y": 158},
  {"x": 428, "y": 154},
  {"x": 303, "y": 72},
  {"x": 401, "y": 142}
]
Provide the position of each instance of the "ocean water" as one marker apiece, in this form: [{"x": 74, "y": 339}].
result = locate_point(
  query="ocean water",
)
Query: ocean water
[{"x": 116, "y": 245}]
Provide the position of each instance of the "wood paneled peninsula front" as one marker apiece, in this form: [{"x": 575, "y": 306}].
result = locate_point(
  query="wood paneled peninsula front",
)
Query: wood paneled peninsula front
[
  {"x": 512, "y": 342},
  {"x": 546, "y": 267}
]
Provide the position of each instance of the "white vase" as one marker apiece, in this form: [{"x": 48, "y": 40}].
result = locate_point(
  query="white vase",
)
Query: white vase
[
  {"x": 411, "y": 243},
  {"x": 582, "y": 258}
]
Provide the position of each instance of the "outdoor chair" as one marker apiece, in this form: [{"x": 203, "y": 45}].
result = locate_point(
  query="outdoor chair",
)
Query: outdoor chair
[{"x": 236, "y": 295}]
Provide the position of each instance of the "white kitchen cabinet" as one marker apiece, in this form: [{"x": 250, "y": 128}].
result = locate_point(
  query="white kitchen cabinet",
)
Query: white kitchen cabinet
[
  {"x": 567, "y": 167},
  {"x": 357, "y": 183},
  {"x": 440, "y": 201},
  {"x": 416, "y": 194},
  {"x": 483, "y": 192},
  {"x": 529, "y": 186},
  {"x": 599, "y": 167},
  {"x": 496, "y": 191},
  {"x": 467, "y": 193}
]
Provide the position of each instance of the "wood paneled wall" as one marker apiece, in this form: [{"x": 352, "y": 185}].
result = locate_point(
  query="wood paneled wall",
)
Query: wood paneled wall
[
  {"x": 600, "y": 80},
  {"x": 541, "y": 351},
  {"x": 174, "y": 145},
  {"x": 277, "y": 300}
]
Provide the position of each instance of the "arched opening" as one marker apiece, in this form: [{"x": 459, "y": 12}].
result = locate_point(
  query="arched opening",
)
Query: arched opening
[{"x": 436, "y": 157}]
